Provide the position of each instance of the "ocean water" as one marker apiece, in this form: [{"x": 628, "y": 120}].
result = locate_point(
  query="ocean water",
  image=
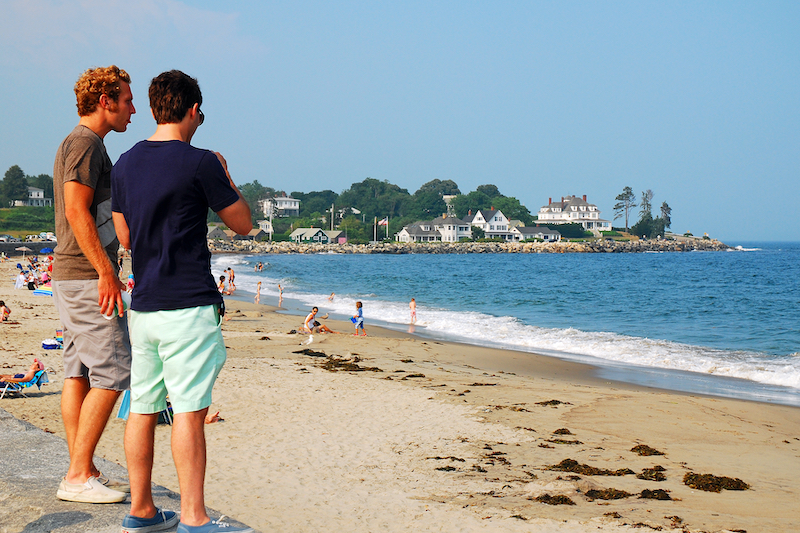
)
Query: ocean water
[{"x": 722, "y": 323}]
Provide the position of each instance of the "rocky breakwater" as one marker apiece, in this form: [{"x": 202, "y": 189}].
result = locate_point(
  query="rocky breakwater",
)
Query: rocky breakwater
[{"x": 598, "y": 246}]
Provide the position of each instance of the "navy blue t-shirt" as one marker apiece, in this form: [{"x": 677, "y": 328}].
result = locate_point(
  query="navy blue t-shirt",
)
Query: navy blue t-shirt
[{"x": 164, "y": 189}]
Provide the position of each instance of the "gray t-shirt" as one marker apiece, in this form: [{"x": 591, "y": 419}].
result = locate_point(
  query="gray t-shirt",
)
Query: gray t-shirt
[{"x": 82, "y": 157}]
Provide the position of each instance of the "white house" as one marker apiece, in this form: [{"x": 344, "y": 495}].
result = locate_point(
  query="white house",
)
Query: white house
[
  {"x": 572, "y": 209},
  {"x": 523, "y": 233},
  {"x": 280, "y": 206},
  {"x": 35, "y": 198},
  {"x": 441, "y": 229},
  {"x": 493, "y": 223}
]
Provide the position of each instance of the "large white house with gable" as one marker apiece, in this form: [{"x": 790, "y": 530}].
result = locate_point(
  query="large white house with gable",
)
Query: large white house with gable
[
  {"x": 493, "y": 223},
  {"x": 572, "y": 209}
]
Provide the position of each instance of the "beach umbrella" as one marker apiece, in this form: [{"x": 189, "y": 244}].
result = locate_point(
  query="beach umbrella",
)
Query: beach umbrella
[
  {"x": 46, "y": 250},
  {"x": 23, "y": 249}
]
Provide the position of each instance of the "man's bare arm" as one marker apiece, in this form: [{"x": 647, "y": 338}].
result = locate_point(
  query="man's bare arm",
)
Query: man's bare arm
[
  {"x": 237, "y": 215},
  {"x": 77, "y": 201},
  {"x": 121, "y": 227}
]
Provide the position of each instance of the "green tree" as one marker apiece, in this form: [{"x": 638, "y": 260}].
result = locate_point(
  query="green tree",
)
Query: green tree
[
  {"x": 666, "y": 214},
  {"x": 569, "y": 231},
  {"x": 491, "y": 191},
  {"x": 464, "y": 203},
  {"x": 626, "y": 201},
  {"x": 647, "y": 204},
  {"x": 478, "y": 233},
  {"x": 377, "y": 198},
  {"x": 15, "y": 186},
  {"x": 428, "y": 201},
  {"x": 316, "y": 201}
]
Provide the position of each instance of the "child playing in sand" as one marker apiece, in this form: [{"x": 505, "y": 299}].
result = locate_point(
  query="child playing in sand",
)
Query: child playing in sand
[
  {"x": 358, "y": 319},
  {"x": 4, "y": 311},
  {"x": 221, "y": 286},
  {"x": 258, "y": 293}
]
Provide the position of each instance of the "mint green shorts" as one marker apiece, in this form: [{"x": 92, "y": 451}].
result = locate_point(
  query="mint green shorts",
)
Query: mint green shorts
[{"x": 178, "y": 352}]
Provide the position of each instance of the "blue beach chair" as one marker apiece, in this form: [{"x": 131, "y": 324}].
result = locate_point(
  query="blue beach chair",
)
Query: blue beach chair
[
  {"x": 11, "y": 387},
  {"x": 164, "y": 417}
]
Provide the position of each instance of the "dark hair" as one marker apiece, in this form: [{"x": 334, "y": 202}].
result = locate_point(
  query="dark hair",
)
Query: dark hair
[{"x": 172, "y": 94}]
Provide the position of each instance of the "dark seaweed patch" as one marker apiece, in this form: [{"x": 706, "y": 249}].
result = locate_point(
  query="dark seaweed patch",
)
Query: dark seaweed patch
[
  {"x": 562, "y": 441},
  {"x": 658, "y": 494},
  {"x": 412, "y": 376},
  {"x": 607, "y": 494},
  {"x": 652, "y": 474},
  {"x": 347, "y": 365},
  {"x": 559, "y": 499},
  {"x": 562, "y": 431},
  {"x": 451, "y": 458},
  {"x": 613, "y": 514},
  {"x": 571, "y": 465},
  {"x": 712, "y": 483},
  {"x": 406, "y": 360},
  {"x": 644, "y": 449},
  {"x": 483, "y": 385},
  {"x": 552, "y": 403},
  {"x": 446, "y": 468},
  {"x": 311, "y": 353}
]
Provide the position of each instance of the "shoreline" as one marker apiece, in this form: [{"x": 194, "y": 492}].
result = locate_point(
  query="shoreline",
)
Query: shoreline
[
  {"x": 640, "y": 377},
  {"x": 426, "y": 435}
]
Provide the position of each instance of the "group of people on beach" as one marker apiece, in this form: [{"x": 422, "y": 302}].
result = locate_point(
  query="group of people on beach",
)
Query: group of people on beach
[{"x": 160, "y": 184}]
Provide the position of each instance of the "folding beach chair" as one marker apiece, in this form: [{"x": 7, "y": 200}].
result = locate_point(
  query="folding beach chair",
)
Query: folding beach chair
[
  {"x": 164, "y": 417},
  {"x": 11, "y": 387}
]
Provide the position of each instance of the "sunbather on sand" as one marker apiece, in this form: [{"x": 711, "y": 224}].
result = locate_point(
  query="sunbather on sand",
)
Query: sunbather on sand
[
  {"x": 22, "y": 378},
  {"x": 4, "y": 311}
]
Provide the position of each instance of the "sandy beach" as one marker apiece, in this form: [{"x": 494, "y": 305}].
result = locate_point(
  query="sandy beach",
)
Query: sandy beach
[{"x": 393, "y": 432}]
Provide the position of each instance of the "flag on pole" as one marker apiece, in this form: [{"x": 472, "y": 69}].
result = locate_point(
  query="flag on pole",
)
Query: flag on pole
[{"x": 384, "y": 222}]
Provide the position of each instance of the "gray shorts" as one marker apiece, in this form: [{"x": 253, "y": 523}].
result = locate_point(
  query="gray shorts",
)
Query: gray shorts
[{"x": 94, "y": 348}]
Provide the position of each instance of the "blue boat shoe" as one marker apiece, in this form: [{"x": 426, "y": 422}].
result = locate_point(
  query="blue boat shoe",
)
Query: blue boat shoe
[
  {"x": 213, "y": 526},
  {"x": 161, "y": 521}
]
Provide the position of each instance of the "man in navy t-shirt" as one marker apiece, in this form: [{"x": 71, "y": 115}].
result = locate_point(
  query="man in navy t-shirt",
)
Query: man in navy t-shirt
[{"x": 161, "y": 191}]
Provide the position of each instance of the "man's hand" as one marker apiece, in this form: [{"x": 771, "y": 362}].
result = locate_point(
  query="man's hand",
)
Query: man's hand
[{"x": 109, "y": 294}]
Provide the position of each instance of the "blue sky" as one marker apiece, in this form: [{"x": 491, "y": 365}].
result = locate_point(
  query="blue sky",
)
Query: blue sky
[{"x": 698, "y": 101}]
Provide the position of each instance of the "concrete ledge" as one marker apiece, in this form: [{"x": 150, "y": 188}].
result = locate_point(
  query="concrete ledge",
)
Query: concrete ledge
[{"x": 33, "y": 463}]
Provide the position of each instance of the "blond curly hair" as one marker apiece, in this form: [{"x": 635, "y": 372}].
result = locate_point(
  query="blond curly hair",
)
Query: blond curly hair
[{"x": 96, "y": 82}]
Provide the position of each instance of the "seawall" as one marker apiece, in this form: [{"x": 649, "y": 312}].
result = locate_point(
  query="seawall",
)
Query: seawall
[{"x": 598, "y": 246}]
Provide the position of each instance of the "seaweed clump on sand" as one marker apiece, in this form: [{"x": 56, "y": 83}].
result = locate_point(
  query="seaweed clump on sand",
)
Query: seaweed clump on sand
[
  {"x": 658, "y": 494},
  {"x": 347, "y": 365},
  {"x": 644, "y": 449},
  {"x": 562, "y": 431},
  {"x": 559, "y": 499},
  {"x": 607, "y": 494},
  {"x": 653, "y": 474},
  {"x": 571, "y": 465},
  {"x": 311, "y": 353},
  {"x": 553, "y": 403},
  {"x": 712, "y": 483}
]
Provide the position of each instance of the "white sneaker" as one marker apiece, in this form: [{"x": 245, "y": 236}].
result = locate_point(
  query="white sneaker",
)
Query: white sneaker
[
  {"x": 90, "y": 492},
  {"x": 114, "y": 484}
]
